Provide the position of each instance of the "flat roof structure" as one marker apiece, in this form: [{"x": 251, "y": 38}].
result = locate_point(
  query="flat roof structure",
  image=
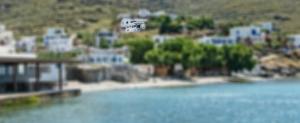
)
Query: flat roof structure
[{"x": 15, "y": 61}]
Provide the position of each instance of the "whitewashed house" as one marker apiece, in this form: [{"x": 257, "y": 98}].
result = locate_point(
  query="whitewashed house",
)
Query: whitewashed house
[
  {"x": 161, "y": 38},
  {"x": 105, "y": 35},
  {"x": 105, "y": 56},
  {"x": 27, "y": 44},
  {"x": 49, "y": 72},
  {"x": 252, "y": 33},
  {"x": 56, "y": 40},
  {"x": 7, "y": 40},
  {"x": 217, "y": 41},
  {"x": 294, "y": 40},
  {"x": 133, "y": 24}
]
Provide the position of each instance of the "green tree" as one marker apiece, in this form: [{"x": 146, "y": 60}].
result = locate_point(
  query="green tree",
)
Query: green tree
[
  {"x": 56, "y": 56},
  {"x": 169, "y": 53},
  {"x": 238, "y": 57},
  {"x": 155, "y": 22},
  {"x": 138, "y": 48},
  {"x": 192, "y": 56},
  {"x": 159, "y": 57},
  {"x": 104, "y": 44},
  {"x": 200, "y": 23},
  {"x": 169, "y": 26},
  {"x": 212, "y": 57},
  {"x": 155, "y": 57},
  {"x": 87, "y": 38}
]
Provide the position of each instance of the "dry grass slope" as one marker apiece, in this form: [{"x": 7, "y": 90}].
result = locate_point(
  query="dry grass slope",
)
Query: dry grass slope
[{"x": 28, "y": 17}]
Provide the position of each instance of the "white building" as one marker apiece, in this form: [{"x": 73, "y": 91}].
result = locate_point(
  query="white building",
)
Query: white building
[
  {"x": 294, "y": 40},
  {"x": 217, "y": 41},
  {"x": 7, "y": 40},
  {"x": 26, "y": 72},
  {"x": 253, "y": 33},
  {"x": 27, "y": 44},
  {"x": 105, "y": 56},
  {"x": 105, "y": 35},
  {"x": 56, "y": 40},
  {"x": 133, "y": 25}
]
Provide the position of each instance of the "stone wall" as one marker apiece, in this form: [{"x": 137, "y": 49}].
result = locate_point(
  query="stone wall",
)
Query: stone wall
[{"x": 119, "y": 73}]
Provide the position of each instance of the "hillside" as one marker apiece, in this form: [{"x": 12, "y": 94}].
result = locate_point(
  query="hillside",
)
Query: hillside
[{"x": 29, "y": 17}]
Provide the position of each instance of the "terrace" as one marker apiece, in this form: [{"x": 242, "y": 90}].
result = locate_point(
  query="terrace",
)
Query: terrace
[{"x": 13, "y": 81}]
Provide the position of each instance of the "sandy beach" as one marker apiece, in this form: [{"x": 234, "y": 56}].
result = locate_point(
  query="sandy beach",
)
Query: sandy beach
[{"x": 151, "y": 83}]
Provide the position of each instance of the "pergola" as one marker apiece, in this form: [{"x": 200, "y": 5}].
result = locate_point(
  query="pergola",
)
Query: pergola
[{"x": 14, "y": 62}]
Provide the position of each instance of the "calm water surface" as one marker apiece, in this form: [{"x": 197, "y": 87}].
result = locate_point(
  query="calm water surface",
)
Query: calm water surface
[{"x": 225, "y": 103}]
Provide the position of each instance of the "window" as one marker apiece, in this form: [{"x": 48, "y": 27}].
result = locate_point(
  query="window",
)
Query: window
[
  {"x": 114, "y": 59},
  {"x": 217, "y": 41},
  {"x": 45, "y": 68},
  {"x": 2, "y": 70},
  {"x": 91, "y": 60},
  {"x": 104, "y": 59},
  {"x": 21, "y": 69},
  {"x": 58, "y": 31},
  {"x": 120, "y": 60},
  {"x": 238, "y": 33},
  {"x": 254, "y": 32},
  {"x": 99, "y": 59},
  {"x": 9, "y": 70}
]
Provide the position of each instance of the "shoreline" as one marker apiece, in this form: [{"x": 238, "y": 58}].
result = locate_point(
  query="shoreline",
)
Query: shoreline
[
  {"x": 151, "y": 83},
  {"x": 159, "y": 83}
]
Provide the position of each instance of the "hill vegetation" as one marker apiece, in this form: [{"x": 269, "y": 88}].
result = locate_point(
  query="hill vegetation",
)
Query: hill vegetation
[{"x": 28, "y": 17}]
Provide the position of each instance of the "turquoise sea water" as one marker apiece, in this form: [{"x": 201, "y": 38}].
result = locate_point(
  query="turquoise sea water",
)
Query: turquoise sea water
[{"x": 222, "y": 103}]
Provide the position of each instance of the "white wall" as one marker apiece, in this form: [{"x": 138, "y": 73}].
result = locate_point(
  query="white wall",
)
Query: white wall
[
  {"x": 53, "y": 74},
  {"x": 252, "y": 32},
  {"x": 57, "y": 42},
  {"x": 27, "y": 44}
]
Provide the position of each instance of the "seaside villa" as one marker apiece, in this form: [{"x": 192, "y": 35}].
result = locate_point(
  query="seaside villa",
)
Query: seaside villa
[
  {"x": 105, "y": 56},
  {"x": 253, "y": 34},
  {"x": 25, "y": 73},
  {"x": 21, "y": 72},
  {"x": 56, "y": 40},
  {"x": 105, "y": 35}
]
